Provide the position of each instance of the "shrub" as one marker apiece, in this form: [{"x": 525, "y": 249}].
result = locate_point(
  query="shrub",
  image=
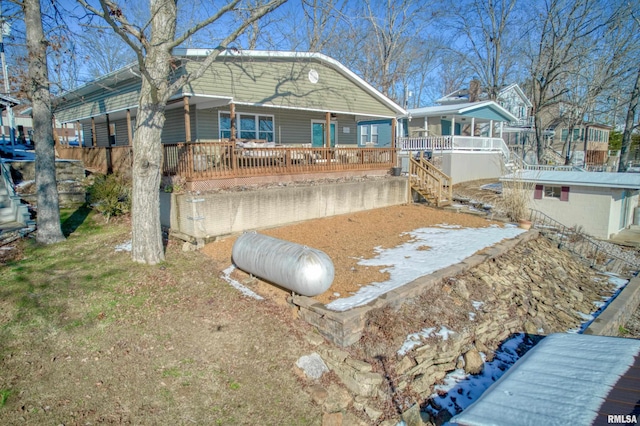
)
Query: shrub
[
  {"x": 110, "y": 195},
  {"x": 516, "y": 195}
]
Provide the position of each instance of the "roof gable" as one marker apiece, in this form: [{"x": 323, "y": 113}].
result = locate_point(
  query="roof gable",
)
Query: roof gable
[
  {"x": 294, "y": 80},
  {"x": 488, "y": 110}
]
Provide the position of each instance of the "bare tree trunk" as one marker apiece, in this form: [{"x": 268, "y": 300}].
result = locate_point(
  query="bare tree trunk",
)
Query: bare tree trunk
[
  {"x": 49, "y": 229},
  {"x": 628, "y": 125},
  {"x": 147, "y": 160},
  {"x": 147, "y": 244},
  {"x": 539, "y": 138}
]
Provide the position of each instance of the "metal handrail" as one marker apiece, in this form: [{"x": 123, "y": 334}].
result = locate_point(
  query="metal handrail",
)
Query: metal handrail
[{"x": 580, "y": 244}]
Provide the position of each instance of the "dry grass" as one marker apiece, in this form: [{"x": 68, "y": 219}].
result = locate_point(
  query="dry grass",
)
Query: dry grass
[{"x": 88, "y": 337}]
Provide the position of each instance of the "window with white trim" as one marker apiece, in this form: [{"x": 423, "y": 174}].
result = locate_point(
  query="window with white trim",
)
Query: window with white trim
[
  {"x": 369, "y": 134},
  {"x": 248, "y": 126}
]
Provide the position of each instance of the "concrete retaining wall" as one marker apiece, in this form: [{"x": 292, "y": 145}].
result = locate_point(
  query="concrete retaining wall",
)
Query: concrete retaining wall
[
  {"x": 215, "y": 214},
  {"x": 618, "y": 312}
]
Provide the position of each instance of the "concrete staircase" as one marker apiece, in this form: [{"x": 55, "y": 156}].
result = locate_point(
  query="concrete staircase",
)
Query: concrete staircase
[
  {"x": 13, "y": 214},
  {"x": 430, "y": 182}
]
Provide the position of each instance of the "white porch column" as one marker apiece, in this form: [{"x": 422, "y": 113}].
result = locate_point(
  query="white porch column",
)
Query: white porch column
[
  {"x": 473, "y": 126},
  {"x": 453, "y": 126},
  {"x": 491, "y": 128},
  {"x": 501, "y": 127}
]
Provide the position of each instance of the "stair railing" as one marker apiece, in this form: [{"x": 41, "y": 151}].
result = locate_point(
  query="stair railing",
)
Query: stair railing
[{"x": 581, "y": 245}]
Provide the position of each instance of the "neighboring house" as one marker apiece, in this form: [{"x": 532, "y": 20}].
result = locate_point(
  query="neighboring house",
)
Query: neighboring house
[
  {"x": 464, "y": 139},
  {"x": 587, "y": 145},
  {"x": 601, "y": 203},
  {"x": 516, "y": 132},
  {"x": 484, "y": 118},
  {"x": 285, "y": 98}
]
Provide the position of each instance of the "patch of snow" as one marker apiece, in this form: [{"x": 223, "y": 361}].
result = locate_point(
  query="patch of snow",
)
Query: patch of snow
[
  {"x": 448, "y": 246},
  {"x": 472, "y": 316},
  {"x": 459, "y": 389},
  {"x": 415, "y": 339},
  {"x": 445, "y": 332},
  {"x": 226, "y": 275},
  {"x": 126, "y": 246},
  {"x": 495, "y": 187},
  {"x": 25, "y": 183},
  {"x": 476, "y": 304}
]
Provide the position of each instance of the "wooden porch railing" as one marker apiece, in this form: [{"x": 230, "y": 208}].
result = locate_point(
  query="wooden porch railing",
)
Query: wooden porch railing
[{"x": 215, "y": 160}]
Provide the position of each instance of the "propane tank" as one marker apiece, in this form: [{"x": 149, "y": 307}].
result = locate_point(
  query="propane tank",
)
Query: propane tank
[{"x": 301, "y": 269}]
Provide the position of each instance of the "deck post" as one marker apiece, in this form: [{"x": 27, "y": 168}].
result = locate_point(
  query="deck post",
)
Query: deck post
[
  {"x": 327, "y": 137},
  {"x": 129, "y": 131},
  {"x": 108, "y": 131},
  {"x": 187, "y": 119},
  {"x": 94, "y": 137},
  {"x": 78, "y": 128},
  {"x": 56, "y": 141},
  {"x": 394, "y": 154},
  {"x": 232, "y": 114}
]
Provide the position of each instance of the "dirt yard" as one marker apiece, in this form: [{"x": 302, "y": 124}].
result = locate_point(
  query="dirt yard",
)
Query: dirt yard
[{"x": 346, "y": 239}]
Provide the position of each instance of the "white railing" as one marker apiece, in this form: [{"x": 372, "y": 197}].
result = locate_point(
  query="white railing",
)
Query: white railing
[
  {"x": 431, "y": 143},
  {"x": 522, "y": 122},
  {"x": 454, "y": 143}
]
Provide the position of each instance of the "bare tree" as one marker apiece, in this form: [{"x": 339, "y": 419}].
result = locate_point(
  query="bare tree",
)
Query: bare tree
[
  {"x": 629, "y": 124},
  {"x": 153, "y": 43},
  {"x": 101, "y": 54},
  {"x": 565, "y": 32},
  {"x": 377, "y": 43},
  {"x": 484, "y": 42},
  {"x": 634, "y": 98},
  {"x": 49, "y": 230}
]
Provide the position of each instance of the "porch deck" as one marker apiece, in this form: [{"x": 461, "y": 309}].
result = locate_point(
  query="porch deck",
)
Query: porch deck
[{"x": 198, "y": 162}]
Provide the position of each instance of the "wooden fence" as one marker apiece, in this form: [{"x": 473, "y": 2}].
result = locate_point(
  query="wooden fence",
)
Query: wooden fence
[
  {"x": 218, "y": 160},
  {"x": 116, "y": 159}
]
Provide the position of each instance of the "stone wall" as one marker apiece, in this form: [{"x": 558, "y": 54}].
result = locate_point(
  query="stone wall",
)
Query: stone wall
[
  {"x": 69, "y": 176},
  {"x": 531, "y": 288}
]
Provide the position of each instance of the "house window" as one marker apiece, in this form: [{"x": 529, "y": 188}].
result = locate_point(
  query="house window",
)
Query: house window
[
  {"x": 249, "y": 126},
  {"x": 551, "y": 191},
  {"x": 369, "y": 134},
  {"x": 364, "y": 135}
]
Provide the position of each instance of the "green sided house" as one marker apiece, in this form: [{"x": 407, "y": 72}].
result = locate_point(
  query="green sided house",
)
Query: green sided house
[
  {"x": 254, "y": 117},
  {"x": 253, "y": 114}
]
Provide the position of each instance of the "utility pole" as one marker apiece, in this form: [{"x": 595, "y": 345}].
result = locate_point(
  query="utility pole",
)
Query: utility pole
[{"x": 12, "y": 131}]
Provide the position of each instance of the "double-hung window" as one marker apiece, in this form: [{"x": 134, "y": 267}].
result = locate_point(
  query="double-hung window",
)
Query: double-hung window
[
  {"x": 248, "y": 126},
  {"x": 369, "y": 134}
]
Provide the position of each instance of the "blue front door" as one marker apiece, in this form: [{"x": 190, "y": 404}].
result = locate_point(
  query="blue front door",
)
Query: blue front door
[{"x": 319, "y": 135}]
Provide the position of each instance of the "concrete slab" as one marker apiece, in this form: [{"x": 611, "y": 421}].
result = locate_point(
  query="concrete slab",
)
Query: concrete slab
[{"x": 628, "y": 237}]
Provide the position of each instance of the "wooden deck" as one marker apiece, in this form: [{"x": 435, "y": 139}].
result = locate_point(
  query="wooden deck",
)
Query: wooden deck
[{"x": 224, "y": 160}]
